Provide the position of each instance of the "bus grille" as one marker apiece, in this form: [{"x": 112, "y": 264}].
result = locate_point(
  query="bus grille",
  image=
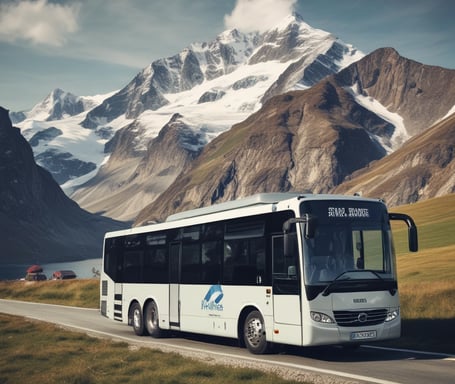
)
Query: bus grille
[{"x": 360, "y": 318}]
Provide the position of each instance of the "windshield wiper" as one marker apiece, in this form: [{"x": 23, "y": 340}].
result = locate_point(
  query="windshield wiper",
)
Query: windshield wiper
[{"x": 327, "y": 290}]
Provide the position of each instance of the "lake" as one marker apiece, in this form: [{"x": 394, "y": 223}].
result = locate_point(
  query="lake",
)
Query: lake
[{"x": 82, "y": 268}]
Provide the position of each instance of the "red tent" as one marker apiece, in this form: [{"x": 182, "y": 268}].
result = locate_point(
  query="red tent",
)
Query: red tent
[{"x": 35, "y": 269}]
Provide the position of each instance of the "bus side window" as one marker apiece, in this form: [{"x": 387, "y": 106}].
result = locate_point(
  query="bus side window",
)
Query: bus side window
[
  {"x": 211, "y": 262},
  {"x": 285, "y": 269},
  {"x": 191, "y": 263},
  {"x": 285, "y": 266},
  {"x": 156, "y": 265},
  {"x": 244, "y": 261},
  {"x": 113, "y": 258}
]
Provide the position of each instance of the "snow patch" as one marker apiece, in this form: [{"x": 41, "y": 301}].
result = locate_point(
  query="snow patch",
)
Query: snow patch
[{"x": 400, "y": 134}]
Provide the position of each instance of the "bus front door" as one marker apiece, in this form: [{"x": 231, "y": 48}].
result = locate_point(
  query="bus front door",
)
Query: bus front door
[
  {"x": 174, "y": 285},
  {"x": 286, "y": 296}
]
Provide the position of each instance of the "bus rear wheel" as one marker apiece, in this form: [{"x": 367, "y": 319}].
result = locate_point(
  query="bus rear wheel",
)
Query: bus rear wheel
[
  {"x": 254, "y": 333},
  {"x": 137, "y": 319},
  {"x": 152, "y": 322}
]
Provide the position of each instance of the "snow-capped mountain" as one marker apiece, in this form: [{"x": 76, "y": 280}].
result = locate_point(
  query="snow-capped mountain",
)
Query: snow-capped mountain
[
  {"x": 59, "y": 143},
  {"x": 212, "y": 85},
  {"x": 60, "y": 105}
]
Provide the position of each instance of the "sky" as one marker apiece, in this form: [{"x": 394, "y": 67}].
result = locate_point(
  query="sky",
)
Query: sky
[{"x": 91, "y": 47}]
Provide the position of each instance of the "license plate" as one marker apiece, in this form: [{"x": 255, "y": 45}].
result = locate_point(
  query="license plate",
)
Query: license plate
[{"x": 363, "y": 335}]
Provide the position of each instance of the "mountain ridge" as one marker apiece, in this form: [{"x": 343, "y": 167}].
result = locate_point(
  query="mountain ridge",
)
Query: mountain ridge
[{"x": 39, "y": 222}]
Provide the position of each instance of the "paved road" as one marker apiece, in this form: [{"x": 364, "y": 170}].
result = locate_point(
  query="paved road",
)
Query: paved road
[{"x": 364, "y": 365}]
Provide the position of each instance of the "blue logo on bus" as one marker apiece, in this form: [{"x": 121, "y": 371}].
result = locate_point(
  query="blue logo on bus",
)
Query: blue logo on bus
[{"x": 212, "y": 299}]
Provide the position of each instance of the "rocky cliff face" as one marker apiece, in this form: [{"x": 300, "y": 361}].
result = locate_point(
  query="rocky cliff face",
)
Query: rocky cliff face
[
  {"x": 423, "y": 168},
  {"x": 420, "y": 94},
  {"x": 145, "y": 172},
  {"x": 37, "y": 221}
]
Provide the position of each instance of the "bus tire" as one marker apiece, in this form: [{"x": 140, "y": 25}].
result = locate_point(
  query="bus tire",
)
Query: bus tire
[
  {"x": 152, "y": 320},
  {"x": 137, "y": 319},
  {"x": 254, "y": 333}
]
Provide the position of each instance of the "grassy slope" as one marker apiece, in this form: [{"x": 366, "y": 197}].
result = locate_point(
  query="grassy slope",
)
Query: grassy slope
[
  {"x": 62, "y": 356},
  {"x": 435, "y": 261},
  {"x": 427, "y": 278}
]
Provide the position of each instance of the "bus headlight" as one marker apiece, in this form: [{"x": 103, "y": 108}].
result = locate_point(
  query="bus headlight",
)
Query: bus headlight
[
  {"x": 392, "y": 314},
  {"x": 321, "y": 317}
]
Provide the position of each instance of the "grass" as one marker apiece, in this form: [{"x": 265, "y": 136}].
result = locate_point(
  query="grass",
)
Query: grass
[
  {"x": 61, "y": 356},
  {"x": 426, "y": 279},
  {"x": 78, "y": 293}
]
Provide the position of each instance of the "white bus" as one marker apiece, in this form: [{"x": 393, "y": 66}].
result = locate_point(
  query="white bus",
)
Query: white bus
[{"x": 284, "y": 268}]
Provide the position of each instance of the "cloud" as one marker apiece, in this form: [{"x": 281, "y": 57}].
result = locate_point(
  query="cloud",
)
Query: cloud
[
  {"x": 258, "y": 15},
  {"x": 38, "y": 21}
]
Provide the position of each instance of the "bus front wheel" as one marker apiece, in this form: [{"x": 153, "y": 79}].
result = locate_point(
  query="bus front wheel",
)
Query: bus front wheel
[
  {"x": 152, "y": 322},
  {"x": 254, "y": 333},
  {"x": 138, "y": 320}
]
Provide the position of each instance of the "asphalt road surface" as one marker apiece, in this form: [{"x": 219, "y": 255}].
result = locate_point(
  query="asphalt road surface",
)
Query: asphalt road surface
[{"x": 319, "y": 364}]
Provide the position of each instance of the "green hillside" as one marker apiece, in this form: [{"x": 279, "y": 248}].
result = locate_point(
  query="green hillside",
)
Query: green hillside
[
  {"x": 426, "y": 279},
  {"x": 435, "y": 261}
]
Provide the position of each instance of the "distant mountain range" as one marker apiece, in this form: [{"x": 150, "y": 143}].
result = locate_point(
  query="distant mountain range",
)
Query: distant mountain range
[{"x": 291, "y": 109}]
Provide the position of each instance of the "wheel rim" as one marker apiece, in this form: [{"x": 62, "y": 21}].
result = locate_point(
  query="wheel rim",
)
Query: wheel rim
[
  {"x": 152, "y": 318},
  {"x": 254, "y": 332},
  {"x": 137, "y": 318}
]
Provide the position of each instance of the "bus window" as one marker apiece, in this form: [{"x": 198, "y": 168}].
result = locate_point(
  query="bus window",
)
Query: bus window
[
  {"x": 211, "y": 262},
  {"x": 132, "y": 266},
  {"x": 191, "y": 263},
  {"x": 244, "y": 261},
  {"x": 155, "y": 268},
  {"x": 285, "y": 269},
  {"x": 368, "y": 250},
  {"x": 285, "y": 266},
  {"x": 113, "y": 258},
  {"x": 133, "y": 252}
]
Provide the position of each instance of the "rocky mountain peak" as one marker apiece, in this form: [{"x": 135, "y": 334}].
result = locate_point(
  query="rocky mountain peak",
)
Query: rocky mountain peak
[
  {"x": 230, "y": 51},
  {"x": 420, "y": 93},
  {"x": 57, "y": 105}
]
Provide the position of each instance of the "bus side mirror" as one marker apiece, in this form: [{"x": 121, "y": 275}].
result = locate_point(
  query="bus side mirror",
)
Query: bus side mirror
[
  {"x": 309, "y": 231},
  {"x": 413, "y": 241},
  {"x": 310, "y": 227}
]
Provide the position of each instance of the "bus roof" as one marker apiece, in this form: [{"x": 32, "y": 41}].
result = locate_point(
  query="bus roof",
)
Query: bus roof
[
  {"x": 258, "y": 199},
  {"x": 256, "y": 203}
]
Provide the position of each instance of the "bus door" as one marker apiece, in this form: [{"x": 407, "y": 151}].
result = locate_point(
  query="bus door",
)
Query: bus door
[
  {"x": 174, "y": 284},
  {"x": 286, "y": 294}
]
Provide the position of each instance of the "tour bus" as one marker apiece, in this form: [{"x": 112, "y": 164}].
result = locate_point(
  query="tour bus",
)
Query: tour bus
[{"x": 273, "y": 268}]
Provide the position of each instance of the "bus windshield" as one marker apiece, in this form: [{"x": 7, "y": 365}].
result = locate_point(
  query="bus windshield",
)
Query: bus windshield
[{"x": 352, "y": 241}]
